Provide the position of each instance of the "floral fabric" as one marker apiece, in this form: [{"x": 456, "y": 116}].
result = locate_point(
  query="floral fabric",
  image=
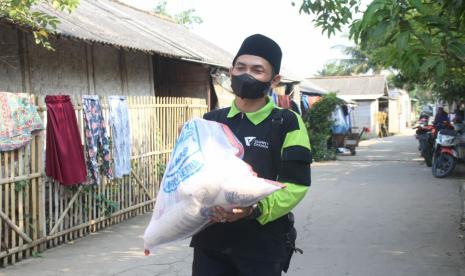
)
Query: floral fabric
[
  {"x": 96, "y": 141},
  {"x": 18, "y": 120}
]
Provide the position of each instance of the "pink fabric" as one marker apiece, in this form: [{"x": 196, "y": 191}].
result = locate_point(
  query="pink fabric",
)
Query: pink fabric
[{"x": 284, "y": 101}]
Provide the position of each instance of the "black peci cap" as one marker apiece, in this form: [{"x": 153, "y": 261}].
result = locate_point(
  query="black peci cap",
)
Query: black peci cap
[{"x": 264, "y": 47}]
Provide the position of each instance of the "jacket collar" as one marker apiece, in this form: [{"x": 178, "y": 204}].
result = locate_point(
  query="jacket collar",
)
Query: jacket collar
[{"x": 257, "y": 116}]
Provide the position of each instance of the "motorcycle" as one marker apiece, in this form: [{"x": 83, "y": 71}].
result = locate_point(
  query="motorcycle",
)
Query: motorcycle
[
  {"x": 448, "y": 150},
  {"x": 426, "y": 136}
]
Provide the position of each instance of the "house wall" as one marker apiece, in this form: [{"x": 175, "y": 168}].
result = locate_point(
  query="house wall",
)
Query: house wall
[
  {"x": 406, "y": 112},
  {"x": 365, "y": 116},
  {"x": 394, "y": 115},
  {"x": 10, "y": 66},
  {"x": 225, "y": 97},
  {"x": 74, "y": 68},
  {"x": 222, "y": 88},
  {"x": 181, "y": 79},
  {"x": 399, "y": 112},
  {"x": 375, "y": 128}
]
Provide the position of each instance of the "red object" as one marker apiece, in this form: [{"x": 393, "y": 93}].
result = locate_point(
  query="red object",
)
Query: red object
[
  {"x": 284, "y": 101},
  {"x": 313, "y": 100},
  {"x": 64, "y": 152},
  {"x": 366, "y": 129},
  {"x": 449, "y": 151}
]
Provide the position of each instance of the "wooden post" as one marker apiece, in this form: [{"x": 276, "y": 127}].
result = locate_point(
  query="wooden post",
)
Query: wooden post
[
  {"x": 14, "y": 227},
  {"x": 63, "y": 214},
  {"x": 41, "y": 225}
]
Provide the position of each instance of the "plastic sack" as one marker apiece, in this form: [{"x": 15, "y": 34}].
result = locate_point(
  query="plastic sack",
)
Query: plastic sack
[
  {"x": 205, "y": 170},
  {"x": 340, "y": 125}
]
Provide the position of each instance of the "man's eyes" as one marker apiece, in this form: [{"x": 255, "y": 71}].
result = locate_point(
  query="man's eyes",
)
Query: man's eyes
[{"x": 254, "y": 70}]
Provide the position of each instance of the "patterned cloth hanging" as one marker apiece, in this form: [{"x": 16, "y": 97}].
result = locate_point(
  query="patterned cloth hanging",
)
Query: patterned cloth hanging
[
  {"x": 96, "y": 140},
  {"x": 18, "y": 120}
]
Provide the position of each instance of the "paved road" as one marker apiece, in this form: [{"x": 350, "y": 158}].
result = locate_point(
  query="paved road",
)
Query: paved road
[{"x": 378, "y": 213}]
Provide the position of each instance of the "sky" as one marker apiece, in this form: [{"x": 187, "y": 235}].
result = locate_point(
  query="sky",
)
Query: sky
[{"x": 227, "y": 23}]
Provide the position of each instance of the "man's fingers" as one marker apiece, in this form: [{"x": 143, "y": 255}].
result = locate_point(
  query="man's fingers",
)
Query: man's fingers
[
  {"x": 238, "y": 211},
  {"x": 218, "y": 214}
]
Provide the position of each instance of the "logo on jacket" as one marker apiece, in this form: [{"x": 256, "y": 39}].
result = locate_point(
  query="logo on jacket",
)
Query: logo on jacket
[{"x": 251, "y": 141}]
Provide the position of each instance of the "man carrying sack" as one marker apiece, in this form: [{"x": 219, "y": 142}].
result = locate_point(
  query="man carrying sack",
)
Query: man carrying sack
[{"x": 258, "y": 239}]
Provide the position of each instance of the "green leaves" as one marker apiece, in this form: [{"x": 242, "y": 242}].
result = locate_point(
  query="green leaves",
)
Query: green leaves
[
  {"x": 429, "y": 64},
  {"x": 20, "y": 185},
  {"x": 318, "y": 122},
  {"x": 186, "y": 17},
  {"x": 331, "y": 16},
  {"x": 457, "y": 49},
  {"x": 419, "y": 6},
  {"x": 20, "y": 12},
  {"x": 402, "y": 40},
  {"x": 423, "y": 40}
]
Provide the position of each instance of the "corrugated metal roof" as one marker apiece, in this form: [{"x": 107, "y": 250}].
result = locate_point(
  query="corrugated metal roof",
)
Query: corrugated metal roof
[
  {"x": 116, "y": 24},
  {"x": 355, "y": 87},
  {"x": 307, "y": 86}
]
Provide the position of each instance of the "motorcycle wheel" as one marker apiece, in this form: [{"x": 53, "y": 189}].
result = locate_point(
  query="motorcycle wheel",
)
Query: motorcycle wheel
[
  {"x": 428, "y": 158},
  {"x": 443, "y": 165}
]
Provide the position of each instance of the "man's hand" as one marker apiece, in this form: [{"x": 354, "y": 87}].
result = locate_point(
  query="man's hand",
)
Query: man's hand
[{"x": 218, "y": 214}]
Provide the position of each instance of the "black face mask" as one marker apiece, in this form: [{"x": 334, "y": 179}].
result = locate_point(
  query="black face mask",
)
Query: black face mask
[{"x": 248, "y": 87}]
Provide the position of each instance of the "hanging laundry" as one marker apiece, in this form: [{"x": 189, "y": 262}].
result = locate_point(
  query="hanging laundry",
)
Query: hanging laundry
[
  {"x": 284, "y": 101},
  {"x": 304, "y": 103},
  {"x": 274, "y": 96},
  {"x": 340, "y": 125},
  {"x": 64, "y": 152},
  {"x": 18, "y": 120},
  {"x": 312, "y": 100},
  {"x": 121, "y": 135},
  {"x": 96, "y": 140}
]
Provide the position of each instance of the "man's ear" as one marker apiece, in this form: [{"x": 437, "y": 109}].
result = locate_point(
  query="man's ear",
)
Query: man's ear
[{"x": 275, "y": 81}]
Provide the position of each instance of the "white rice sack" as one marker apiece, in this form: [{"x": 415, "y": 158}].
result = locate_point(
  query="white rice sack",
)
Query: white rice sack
[{"x": 205, "y": 170}]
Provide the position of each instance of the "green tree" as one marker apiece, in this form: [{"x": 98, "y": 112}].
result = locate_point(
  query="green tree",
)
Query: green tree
[
  {"x": 334, "y": 68},
  {"x": 187, "y": 17},
  {"x": 356, "y": 62},
  {"x": 423, "y": 40},
  {"x": 22, "y": 13},
  {"x": 318, "y": 121}
]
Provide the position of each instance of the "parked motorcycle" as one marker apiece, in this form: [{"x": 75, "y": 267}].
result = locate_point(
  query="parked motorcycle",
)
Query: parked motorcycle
[
  {"x": 448, "y": 150},
  {"x": 426, "y": 135}
]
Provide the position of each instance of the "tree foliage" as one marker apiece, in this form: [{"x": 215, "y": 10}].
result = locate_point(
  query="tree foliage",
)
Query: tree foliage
[
  {"x": 424, "y": 40},
  {"x": 318, "y": 121},
  {"x": 187, "y": 17},
  {"x": 22, "y": 12},
  {"x": 334, "y": 68},
  {"x": 356, "y": 62}
]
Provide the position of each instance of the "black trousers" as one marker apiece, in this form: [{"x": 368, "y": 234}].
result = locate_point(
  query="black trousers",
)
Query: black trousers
[{"x": 211, "y": 263}]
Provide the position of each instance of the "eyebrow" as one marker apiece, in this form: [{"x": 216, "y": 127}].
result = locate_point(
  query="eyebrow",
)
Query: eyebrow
[{"x": 255, "y": 66}]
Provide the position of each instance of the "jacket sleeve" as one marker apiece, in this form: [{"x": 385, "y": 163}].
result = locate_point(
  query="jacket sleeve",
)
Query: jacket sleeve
[{"x": 294, "y": 172}]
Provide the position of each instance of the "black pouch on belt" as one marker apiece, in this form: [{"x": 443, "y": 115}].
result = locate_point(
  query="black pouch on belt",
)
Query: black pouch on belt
[{"x": 291, "y": 236}]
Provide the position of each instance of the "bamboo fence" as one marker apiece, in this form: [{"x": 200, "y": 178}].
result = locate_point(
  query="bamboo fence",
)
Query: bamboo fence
[{"x": 38, "y": 213}]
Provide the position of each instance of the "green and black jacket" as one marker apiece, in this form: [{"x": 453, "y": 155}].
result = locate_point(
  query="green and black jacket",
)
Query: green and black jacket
[{"x": 263, "y": 238}]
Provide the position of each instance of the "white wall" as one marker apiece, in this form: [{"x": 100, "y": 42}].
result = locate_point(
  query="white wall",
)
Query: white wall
[
  {"x": 365, "y": 116},
  {"x": 394, "y": 117}
]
